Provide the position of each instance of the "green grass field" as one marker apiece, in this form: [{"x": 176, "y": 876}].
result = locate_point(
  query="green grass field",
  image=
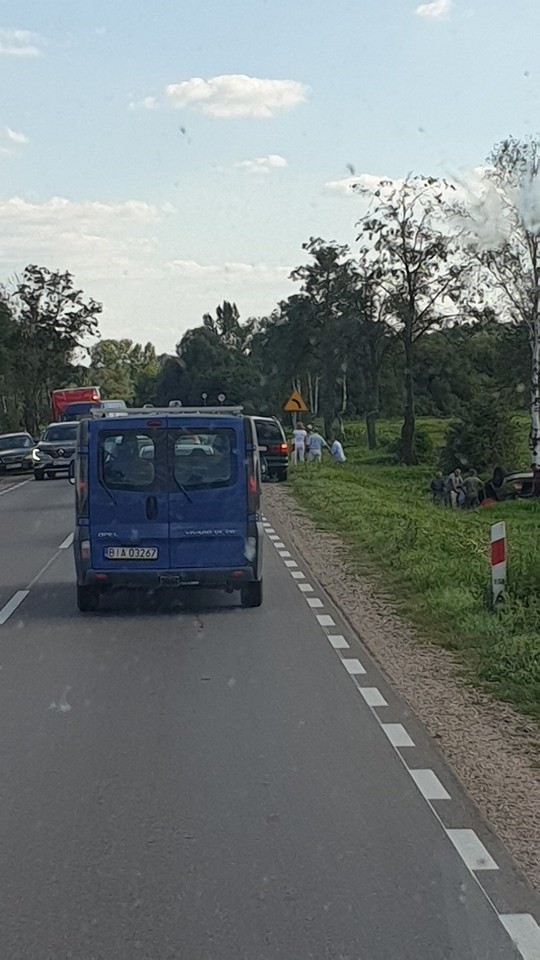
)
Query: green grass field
[{"x": 436, "y": 561}]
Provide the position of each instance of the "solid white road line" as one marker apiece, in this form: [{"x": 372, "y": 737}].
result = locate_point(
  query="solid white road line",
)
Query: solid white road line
[
  {"x": 305, "y": 588},
  {"x": 338, "y": 641},
  {"x": 12, "y": 605},
  {"x": 298, "y": 575},
  {"x": 325, "y": 620},
  {"x": 67, "y": 542},
  {"x": 353, "y": 666},
  {"x": 291, "y": 563},
  {"x": 524, "y": 931},
  {"x": 373, "y": 697},
  {"x": 397, "y": 735},
  {"x": 315, "y": 602},
  {"x": 472, "y": 850},
  {"x": 429, "y": 785},
  {"x": 14, "y": 486}
]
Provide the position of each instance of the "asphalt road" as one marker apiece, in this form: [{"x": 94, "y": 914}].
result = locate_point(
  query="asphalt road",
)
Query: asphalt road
[{"x": 203, "y": 782}]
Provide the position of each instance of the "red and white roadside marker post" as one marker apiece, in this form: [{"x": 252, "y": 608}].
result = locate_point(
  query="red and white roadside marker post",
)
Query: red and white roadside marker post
[{"x": 498, "y": 562}]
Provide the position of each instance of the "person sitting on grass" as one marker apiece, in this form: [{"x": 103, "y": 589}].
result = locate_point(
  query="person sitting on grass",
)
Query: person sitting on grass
[
  {"x": 336, "y": 451},
  {"x": 437, "y": 487}
]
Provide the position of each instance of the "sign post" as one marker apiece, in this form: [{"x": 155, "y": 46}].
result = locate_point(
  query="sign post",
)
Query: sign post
[{"x": 498, "y": 562}]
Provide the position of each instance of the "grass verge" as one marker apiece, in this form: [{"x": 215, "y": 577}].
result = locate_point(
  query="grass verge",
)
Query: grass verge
[{"x": 436, "y": 565}]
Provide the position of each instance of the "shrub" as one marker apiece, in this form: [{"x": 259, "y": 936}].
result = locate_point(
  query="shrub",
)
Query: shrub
[{"x": 486, "y": 437}]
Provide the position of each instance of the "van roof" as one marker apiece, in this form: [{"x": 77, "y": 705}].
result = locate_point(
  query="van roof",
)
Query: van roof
[{"x": 146, "y": 412}]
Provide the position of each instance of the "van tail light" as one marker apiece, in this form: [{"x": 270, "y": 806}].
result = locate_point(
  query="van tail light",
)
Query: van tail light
[
  {"x": 284, "y": 448},
  {"x": 280, "y": 448},
  {"x": 85, "y": 549},
  {"x": 253, "y": 492}
]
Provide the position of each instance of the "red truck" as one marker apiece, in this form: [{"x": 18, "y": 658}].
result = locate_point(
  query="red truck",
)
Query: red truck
[{"x": 74, "y": 402}]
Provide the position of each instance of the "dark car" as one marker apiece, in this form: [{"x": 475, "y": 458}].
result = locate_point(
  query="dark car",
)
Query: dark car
[
  {"x": 55, "y": 450},
  {"x": 16, "y": 452},
  {"x": 273, "y": 448}
]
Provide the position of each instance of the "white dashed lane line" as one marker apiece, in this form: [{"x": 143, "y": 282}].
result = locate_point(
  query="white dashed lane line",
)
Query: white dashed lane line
[
  {"x": 397, "y": 735},
  {"x": 338, "y": 641},
  {"x": 12, "y": 605},
  {"x": 472, "y": 850},
  {"x": 524, "y": 931},
  {"x": 14, "y": 486},
  {"x": 66, "y": 543},
  {"x": 429, "y": 785},
  {"x": 522, "y": 928},
  {"x": 373, "y": 697},
  {"x": 353, "y": 666}
]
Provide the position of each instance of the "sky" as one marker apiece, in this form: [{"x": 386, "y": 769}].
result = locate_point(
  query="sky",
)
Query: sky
[{"x": 175, "y": 154}]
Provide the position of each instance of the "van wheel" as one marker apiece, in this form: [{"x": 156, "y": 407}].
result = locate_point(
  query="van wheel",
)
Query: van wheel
[
  {"x": 88, "y": 599},
  {"x": 252, "y": 594},
  {"x": 39, "y": 475}
]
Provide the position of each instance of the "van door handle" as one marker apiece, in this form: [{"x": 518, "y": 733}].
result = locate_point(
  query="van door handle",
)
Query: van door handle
[{"x": 151, "y": 508}]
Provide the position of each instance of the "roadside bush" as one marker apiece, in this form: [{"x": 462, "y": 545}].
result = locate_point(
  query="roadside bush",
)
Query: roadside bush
[{"x": 486, "y": 437}]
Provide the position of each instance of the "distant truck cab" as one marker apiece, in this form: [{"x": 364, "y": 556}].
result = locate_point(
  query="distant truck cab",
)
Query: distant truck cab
[
  {"x": 84, "y": 397},
  {"x": 168, "y": 498}
]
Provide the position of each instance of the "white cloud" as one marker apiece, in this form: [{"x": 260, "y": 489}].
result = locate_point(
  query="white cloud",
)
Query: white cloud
[
  {"x": 237, "y": 95},
  {"x": 59, "y": 210},
  {"x": 147, "y": 103},
  {"x": 437, "y": 10},
  {"x": 263, "y": 164},
  {"x": 19, "y": 43},
  {"x": 16, "y": 137}
]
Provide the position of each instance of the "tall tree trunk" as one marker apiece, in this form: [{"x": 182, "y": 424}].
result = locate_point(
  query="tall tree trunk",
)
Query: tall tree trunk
[{"x": 409, "y": 424}]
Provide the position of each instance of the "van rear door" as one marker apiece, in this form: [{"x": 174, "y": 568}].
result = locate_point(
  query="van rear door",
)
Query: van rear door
[
  {"x": 208, "y": 500},
  {"x": 129, "y": 500}
]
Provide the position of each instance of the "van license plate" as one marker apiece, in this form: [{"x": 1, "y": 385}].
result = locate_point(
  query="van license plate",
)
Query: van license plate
[{"x": 131, "y": 553}]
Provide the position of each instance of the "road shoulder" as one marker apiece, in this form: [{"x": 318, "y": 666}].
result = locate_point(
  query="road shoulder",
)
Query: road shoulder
[{"x": 492, "y": 749}]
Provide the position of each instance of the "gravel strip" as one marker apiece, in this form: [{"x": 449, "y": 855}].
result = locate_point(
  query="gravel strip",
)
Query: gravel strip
[{"x": 492, "y": 749}]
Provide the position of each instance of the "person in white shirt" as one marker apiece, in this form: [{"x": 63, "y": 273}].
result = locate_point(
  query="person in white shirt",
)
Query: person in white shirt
[
  {"x": 299, "y": 441},
  {"x": 337, "y": 452}
]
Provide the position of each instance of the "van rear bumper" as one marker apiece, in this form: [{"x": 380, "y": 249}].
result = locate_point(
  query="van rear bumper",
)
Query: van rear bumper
[{"x": 232, "y": 578}]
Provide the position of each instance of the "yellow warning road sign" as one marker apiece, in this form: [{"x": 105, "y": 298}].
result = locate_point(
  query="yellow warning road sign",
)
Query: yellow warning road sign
[{"x": 295, "y": 403}]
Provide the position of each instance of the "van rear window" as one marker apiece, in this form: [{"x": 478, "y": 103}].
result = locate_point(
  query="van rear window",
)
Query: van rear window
[
  {"x": 202, "y": 459},
  {"x": 127, "y": 460},
  {"x": 268, "y": 432},
  {"x": 165, "y": 460}
]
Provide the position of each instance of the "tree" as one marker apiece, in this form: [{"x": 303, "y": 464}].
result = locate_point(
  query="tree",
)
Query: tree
[
  {"x": 52, "y": 320},
  {"x": 420, "y": 269},
  {"x": 329, "y": 289},
  {"x": 510, "y": 253}
]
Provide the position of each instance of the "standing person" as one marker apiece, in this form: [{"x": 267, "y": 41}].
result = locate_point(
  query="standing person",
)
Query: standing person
[
  {"x": 453, "y": 485},
  {"x": 437, "y": 487},
  {"x": 337, "y": 452},
  {"x": 299, "y": 441},
  {"x": 316, "y": 444},
  {"x": 471, "y": 487}
]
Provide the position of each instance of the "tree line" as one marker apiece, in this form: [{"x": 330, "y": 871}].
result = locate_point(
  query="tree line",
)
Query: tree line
[{"x": 436, "y": 308}]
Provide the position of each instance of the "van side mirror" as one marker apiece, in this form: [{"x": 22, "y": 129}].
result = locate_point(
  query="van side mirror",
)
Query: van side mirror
[{"x": 72, "y": 472}]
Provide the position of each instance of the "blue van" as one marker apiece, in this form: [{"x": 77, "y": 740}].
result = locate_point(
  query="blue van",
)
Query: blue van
[{"x": 168, "y": 499}]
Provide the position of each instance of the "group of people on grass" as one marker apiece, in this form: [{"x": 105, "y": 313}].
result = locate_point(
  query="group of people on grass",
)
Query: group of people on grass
[
  {"x": 308, "y": 444},
  {"x": 457, "y": 490}
]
